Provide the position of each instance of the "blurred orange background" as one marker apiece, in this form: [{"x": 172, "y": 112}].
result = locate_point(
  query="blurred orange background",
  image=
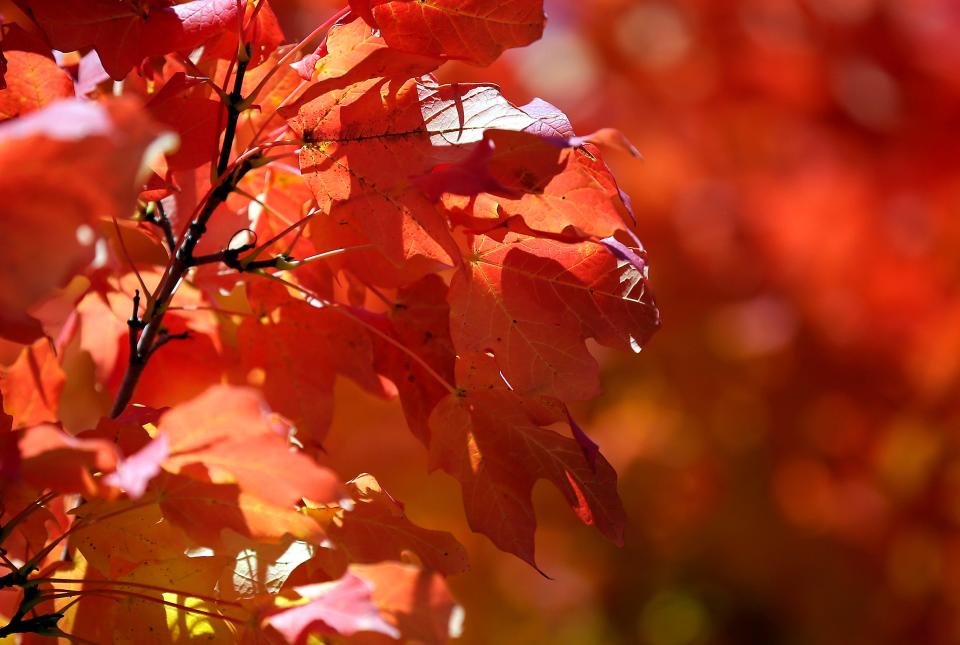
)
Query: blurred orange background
[{"x": 787, "y": 444}]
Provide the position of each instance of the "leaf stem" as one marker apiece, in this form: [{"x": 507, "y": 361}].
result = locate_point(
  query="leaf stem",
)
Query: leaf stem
[
  {"x": 276, "y": 110},
  {"x": 331, "y": 21},
  {"x": 217, "y": 310},
  {"x": 7, "y": 562},
  {"x": 200, "y": 76},
  {"x": 76, "y": 639},
  {"x": 137, "y": 585},
  {"x": 256, "y": 10},
  {"x": 126, "y": 254},
  {"x": 267, "y": 207},
  {"x": 7, "y": 528},
  {"x": 298, "y": 224},
  {"x": 120, "y": 593},
  {"x": 159, "y": 218}
]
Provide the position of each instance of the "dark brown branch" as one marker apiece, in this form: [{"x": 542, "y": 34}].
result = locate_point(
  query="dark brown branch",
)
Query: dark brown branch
[
  {"x": 235, "y": 106},
  {"x": 135, "y": 324},
  {"x": 167, "y": 227},
  {"x": 183, "y": 258},
  {"x": 278, "y": 262},
  {"x": 231, "y": 259},
  {"x": 19, "y": 624},
  {"x": 158, "y": 217},
  {"x": 165, "y": 338}
]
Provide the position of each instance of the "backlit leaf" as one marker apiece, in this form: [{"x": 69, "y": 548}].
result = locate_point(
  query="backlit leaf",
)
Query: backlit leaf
[
  {"x": 474, "y": 30},
  {"x": 497, "y": 444},
  {"x": 123, "y": 34}
]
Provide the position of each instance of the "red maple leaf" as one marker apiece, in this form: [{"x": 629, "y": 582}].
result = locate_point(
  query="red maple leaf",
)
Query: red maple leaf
[
  {"x": 497, "y": 444},
  {"x": 533, "y": 302},
  {"x": 125, "y": 33},
  {"x": 476, "y": 31}
]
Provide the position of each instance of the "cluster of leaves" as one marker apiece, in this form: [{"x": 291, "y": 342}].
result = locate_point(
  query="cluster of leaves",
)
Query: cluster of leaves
[{"x": 184, "y": 295}]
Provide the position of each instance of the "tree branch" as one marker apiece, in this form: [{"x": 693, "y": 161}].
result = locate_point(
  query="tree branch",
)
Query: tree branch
[
  {"x": 164, "y": 222},
  {"x": 134, "y": 323},
  {"x": 235, "y": 105},
  {"x": 165, "y": 338},
  {"x": 183, "y": 258}
]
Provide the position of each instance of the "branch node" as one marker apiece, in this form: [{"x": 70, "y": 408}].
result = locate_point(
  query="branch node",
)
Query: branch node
[
  {"x": 165, "y": 337},
  {"x": 151, "y": 337},
  {"x": 135, "y": 324}
]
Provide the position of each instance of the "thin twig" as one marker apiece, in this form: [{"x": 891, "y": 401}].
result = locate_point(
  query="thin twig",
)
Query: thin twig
[
  {"x": 267, "y": 207},
  {"x": 76, "y": 639},
  {"x": 126, "y": 255},
  {"x": 23, "y": 514},
  {"x": 7, "y": 562},
  {"x": 134, "y": 324},
  {"x": 119, "y": 593},
  {"x": 197, "y": 73},
  {"x": 139, "y": 585},
  {"x": 132, "y": 507},
  {"x": 164, "y": 222},
  {"x": 253, "y": 16},
  {"x": 299, "y": 223},
  {"x": 33, "y": 563},
  {"x": 379, "y": 294},
  {"x": 183, "y": 257},
  {"x": 66, "y": 608},
  {"x": 279, "y": 142},
  {"x": 235, "y": 106},
  {"x": 230, "y": 258},
  {"x": 293, "y": 50},
  {"x": 216, "y": 310},
  {"x": 301, "y": 86},
  {"x": 155, "y": 214},
  {"x": 165, "y": 338}
]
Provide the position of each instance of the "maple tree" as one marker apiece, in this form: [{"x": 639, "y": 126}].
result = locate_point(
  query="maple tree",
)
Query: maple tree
[{"x": 228, "y": 225}]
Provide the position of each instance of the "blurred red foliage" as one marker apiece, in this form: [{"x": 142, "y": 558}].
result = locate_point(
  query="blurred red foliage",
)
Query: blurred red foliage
[{"x": 788, "y": 444}]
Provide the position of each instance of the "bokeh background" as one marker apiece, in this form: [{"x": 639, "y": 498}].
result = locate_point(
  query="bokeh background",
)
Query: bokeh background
[{"x": 788, "y": 443}]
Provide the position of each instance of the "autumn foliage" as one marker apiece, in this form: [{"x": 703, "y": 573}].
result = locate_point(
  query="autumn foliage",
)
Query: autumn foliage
[{"x": 204, "y": 228}]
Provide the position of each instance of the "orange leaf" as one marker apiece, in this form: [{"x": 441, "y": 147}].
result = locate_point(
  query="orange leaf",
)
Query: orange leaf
[
  {"x": 224, "y": 437},
  {"x": 365, "y": 145},
  {"x": 497, "y": 445},
  {"x": 556, "y": 190},
  {"x": 33, "y": 77},
  {"x": 356, "y": 52},
  {"x": 61, "y": 168},
  {"x": 31, "y": 387},
  {"x": 420, "y": 323},
  {"x": 186, "y": 107},
  {"x": 298, "y": 375},
  {"x": 124, "y": 34},
  {"x": 376, "y": 528},
  {"x": 533, "y": 302},
  {"x": 476, "y": 31},
  {"x": 204, "y": 510},
  {"x": 416, "y": 601},
  {"x": 341, "y": 607},
  {"x": 50, "y": 458}
]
